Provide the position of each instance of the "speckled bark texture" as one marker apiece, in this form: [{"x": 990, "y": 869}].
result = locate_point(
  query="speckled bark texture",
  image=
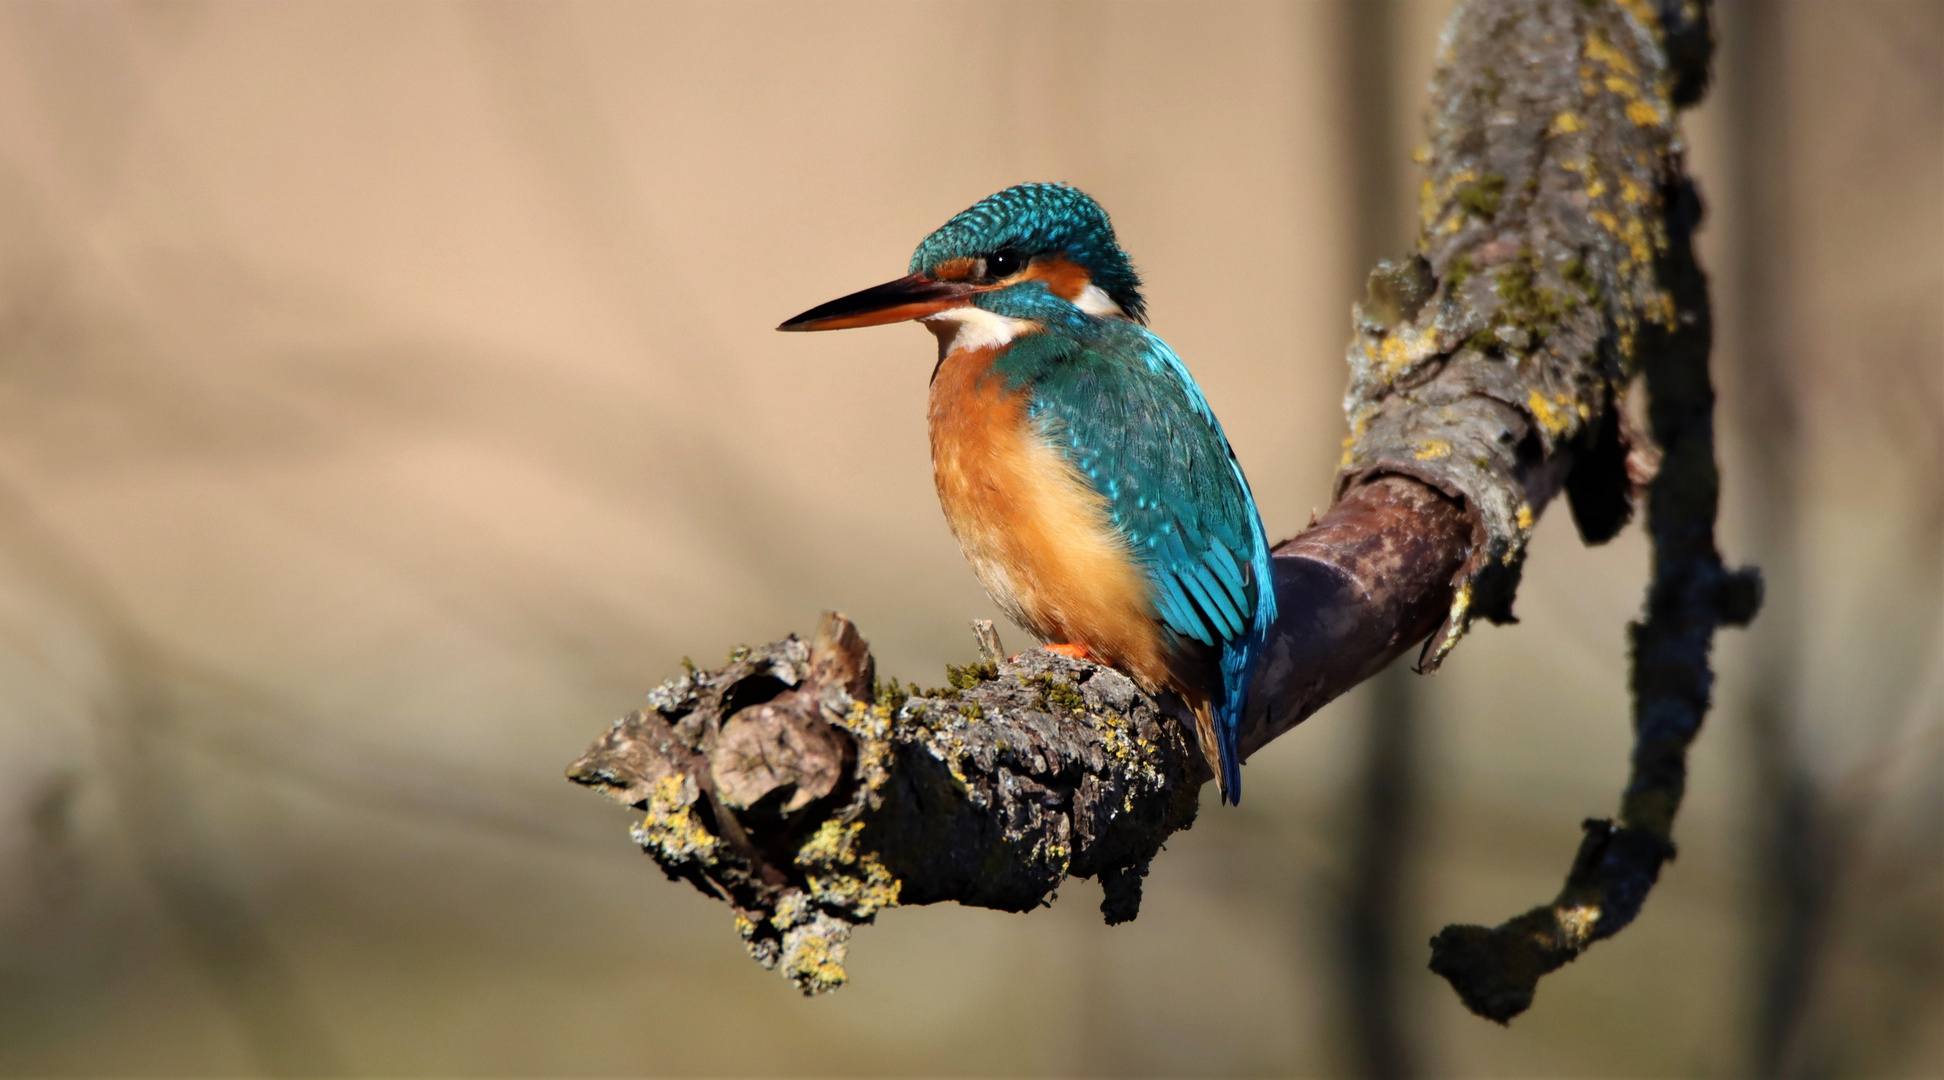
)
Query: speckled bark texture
[
  {"x": 1488, "y": 364},
  {"x": 1627, "y": 212},
  {"x": 793, "y": 786},
  {"x": 1554, "y": 267}
]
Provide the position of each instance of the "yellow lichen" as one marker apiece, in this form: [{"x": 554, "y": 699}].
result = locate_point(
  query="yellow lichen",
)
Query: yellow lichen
[
  {"x": 1557, "y": 420},
  {"x": 671, "y": 826},
  {"x": 1431, "y": 449},
  {"x": 1405, "y": 349},
  {"x": 1459, "y": 179},
  {"x": 1635, "y": 234},
  {"x": 1643, "y": 114},
  {"x": 841, "y": 874},
  {"x": 1457, "y": 620},
  {"x": 1394, "y": 355},
  {"x": 829, "y": 844},
  {"x": 1576, "y": 923},
  {"x": 1642, "y": 12},
  {"x": 1525, "y": 517},
  {"x": 814, "y": 964},
  {"x": 1598, "y": 49},
  {"x": 1567, "y": 122}
]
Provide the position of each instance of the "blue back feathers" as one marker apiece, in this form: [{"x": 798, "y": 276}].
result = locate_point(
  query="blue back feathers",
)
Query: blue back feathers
[{"x": 1124, "y": 410}]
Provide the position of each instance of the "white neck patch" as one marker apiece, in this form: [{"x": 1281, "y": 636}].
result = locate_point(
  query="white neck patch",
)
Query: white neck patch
[
  {"x": 970, "y": 327},
  {"x": 1094, "y": 301}
]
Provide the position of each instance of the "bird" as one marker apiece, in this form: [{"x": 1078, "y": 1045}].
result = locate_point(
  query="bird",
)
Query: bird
[{"x": 1077, "y": 461}]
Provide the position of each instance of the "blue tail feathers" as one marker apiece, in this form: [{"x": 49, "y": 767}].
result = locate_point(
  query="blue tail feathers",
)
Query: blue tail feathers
[{"x": 1238, "y": 668}]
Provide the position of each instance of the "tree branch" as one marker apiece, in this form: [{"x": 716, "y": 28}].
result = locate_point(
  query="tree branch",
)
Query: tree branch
[
  {"x": 1484, "y": 373},
  {"x": 1637, "y": 76}
]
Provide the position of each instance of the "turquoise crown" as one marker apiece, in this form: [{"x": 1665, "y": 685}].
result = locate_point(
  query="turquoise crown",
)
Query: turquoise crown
[{"x": 1040, "y": 219}]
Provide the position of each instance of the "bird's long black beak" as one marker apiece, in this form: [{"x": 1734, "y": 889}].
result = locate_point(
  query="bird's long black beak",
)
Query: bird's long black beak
[{"x": 912, "y": 297}]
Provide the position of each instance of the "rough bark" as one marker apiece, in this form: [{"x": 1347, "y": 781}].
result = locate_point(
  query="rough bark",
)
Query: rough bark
[
  {"x": 1626, "y": 84},
  {"x": 808, "y": 796},
  {"x": 1553, "y": 263}
]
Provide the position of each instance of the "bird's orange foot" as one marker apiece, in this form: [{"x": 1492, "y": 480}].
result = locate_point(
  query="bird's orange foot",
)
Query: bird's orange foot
[{"x": 1074, "y": 652}]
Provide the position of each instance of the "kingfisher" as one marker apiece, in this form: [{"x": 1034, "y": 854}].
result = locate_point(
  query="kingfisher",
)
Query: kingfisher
[{"x": 1079, "y": 466}]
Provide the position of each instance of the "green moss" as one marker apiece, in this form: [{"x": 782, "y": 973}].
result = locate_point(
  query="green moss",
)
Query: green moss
[
  {"x": 1486, "y": 341},
  {"x": 1458, "y": 273},
  {"x": 1490, "y": 86},
  {"x": 1395, "y": 291},
  {"x": 1057, "y": 693},
  {"x": 1579, "y": 277},
  {"x": 967, "y": 676},
  {"x": 738, "y": 654},
  {"x": 892, "y": 695},
  {"x": 972, "y": 710},
  {"x": 1525, "y": 302},
  {"x": 1481, "y": 198},
  {"x": 1514, "y": 285}
]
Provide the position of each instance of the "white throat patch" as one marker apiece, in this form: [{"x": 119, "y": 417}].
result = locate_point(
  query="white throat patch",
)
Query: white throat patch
[{"x": 969, "y": 327}]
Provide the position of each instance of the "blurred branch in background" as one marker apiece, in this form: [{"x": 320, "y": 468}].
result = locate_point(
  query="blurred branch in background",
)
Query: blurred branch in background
[
  {"x": 1823, "y": 838},
  {"x": 1793, "y": 846},
  {"x": 1365, "y": 928},
  {"x": 139, "y": 731}
]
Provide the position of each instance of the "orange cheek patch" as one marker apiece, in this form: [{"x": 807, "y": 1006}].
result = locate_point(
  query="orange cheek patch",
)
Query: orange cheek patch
[
  {"x": 953, "y": 270},
  {"x": 1064, "y": 278}
]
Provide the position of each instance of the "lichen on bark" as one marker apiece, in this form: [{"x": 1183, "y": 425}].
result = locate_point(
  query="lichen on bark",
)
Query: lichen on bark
[
  {"x": 1636, "y": 212},
  {"x": 1489, "y": 364},
  {"x": 787, "y": 785}
]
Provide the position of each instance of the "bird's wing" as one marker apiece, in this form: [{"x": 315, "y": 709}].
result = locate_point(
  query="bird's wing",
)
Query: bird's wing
[{"x": 1126, "y": 413}]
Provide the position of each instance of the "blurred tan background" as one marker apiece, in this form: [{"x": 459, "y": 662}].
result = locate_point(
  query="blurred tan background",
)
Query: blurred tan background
[{"x": 388, "y": 397}]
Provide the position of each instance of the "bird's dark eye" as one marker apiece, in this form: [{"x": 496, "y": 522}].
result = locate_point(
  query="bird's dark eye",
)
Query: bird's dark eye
[{"x": 1004, "y": 264}]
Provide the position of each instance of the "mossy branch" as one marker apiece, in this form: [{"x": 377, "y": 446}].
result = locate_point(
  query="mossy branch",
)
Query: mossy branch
[
  {"x": 1584, "y": 280},
  {"x": 1553, "y": 266},
  {"x": 809, "y": 796}
]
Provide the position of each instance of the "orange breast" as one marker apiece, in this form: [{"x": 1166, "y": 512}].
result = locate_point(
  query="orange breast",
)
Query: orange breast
[{"x": 1037, "y": 535}]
